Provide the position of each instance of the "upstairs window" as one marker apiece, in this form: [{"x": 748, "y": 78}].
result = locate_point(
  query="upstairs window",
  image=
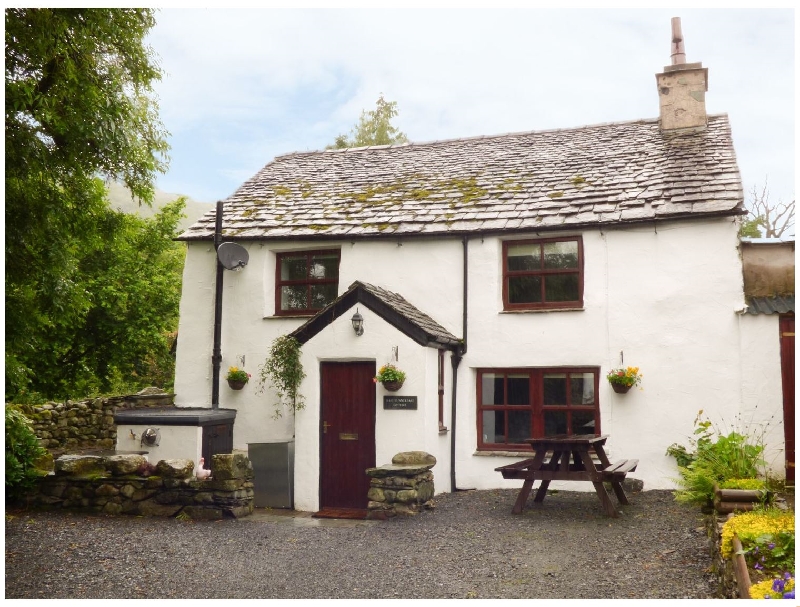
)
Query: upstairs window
[
  {"x": 543, "y": 274},
  {"x": 306, "y": 281}
]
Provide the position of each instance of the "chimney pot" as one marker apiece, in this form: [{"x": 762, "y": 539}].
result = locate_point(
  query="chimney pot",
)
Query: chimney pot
[
  {"x": 678, "y": 51},
  {"x": 682, "y": 88}
]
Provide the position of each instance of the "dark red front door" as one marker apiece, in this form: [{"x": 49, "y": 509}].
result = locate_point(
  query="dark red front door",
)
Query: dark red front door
[
  {"x": 787, "y": 374},
  {"x": 347, "y": 433}
]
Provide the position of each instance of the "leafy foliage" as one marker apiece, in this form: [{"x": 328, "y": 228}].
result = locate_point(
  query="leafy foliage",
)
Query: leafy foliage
[
  {"x": 767, "y": 538},
  {"x": 389, "y": 372},
  {"x": 629, "y": 376},
  {"x": 781, "y": 587},
  {"x": 717, "y": 457},
  {"x": 22, "y": 451},
  {"x": 746, "y": 484},
  {"x": 79, "y": 105},
  {"x": 237, "y": 374},
  {"x": 373, "y": 128},
  {"x": 283, "y": 370}
]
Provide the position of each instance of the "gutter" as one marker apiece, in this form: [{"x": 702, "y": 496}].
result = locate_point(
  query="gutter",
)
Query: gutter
[
  {"x": 216, "y": 355},
  {"x": 455, "y": 361}
]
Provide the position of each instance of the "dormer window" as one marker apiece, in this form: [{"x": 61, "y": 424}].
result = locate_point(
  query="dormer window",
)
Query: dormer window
[
  {"x": 543, "y": 274},
  {"x": 306, "y": 281}
]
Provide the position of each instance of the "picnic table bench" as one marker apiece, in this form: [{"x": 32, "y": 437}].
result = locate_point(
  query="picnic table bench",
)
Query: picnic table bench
[{"x": 569, "y": 458}]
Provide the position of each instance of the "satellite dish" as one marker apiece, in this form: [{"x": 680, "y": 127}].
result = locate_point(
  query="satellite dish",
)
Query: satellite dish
[
  {"x": 232, "y": 256},
  {"x": 151, "y": 437}
]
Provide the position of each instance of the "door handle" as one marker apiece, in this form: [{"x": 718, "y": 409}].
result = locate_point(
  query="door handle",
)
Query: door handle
[{"x": 325, "y": 427}]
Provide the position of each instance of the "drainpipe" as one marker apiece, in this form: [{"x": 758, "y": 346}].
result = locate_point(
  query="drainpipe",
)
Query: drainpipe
[
  {"x": 216, "y": 356},
  {"x": 455, "y": 361}
]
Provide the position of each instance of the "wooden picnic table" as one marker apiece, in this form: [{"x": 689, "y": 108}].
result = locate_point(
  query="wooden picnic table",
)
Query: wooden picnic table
[{"x": 569, "y": 458}]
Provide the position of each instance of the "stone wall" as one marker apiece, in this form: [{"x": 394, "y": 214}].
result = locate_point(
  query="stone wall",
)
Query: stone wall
[
  {"x": 129, "y": 484},
  {"x": 403, "y": 487},
  {"x": 722, "y": 569},
  {"x": 87, "y": 423}
]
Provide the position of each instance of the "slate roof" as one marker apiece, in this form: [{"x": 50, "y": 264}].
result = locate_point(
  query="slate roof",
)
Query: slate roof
[
  {"x": 390, "y": 306},
  {"x": 777, "y": 304},
  {"x": 542, "y": 180}
]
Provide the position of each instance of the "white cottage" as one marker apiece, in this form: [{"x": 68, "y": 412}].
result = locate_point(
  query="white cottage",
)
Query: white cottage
[{"x": 506, "y": 275}]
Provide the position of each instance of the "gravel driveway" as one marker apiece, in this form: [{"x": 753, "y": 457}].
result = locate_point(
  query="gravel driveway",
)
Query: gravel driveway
[{"x": 469, "y": 546}]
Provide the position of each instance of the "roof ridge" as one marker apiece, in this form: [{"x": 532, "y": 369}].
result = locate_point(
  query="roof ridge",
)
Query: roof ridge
[{"x": 432, "y": 142}]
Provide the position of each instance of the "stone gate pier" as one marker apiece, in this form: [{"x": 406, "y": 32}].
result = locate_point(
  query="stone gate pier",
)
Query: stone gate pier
[{"x": 403, "y": 487}]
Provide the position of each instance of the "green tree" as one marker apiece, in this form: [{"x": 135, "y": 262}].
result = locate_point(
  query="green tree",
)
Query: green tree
[
  {"x": 79, "y": 105},
  {"x": 373, "y": 128}
]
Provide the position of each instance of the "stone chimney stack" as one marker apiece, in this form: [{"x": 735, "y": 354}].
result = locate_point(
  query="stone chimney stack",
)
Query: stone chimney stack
[{"x": 682, "y": 88}]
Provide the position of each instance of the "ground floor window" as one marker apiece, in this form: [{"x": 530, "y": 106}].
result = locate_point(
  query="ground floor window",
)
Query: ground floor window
[{"x": 515, "y": 404}]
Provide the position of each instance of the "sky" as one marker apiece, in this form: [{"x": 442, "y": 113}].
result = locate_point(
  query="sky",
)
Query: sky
[{"x": 241, "y": 87}]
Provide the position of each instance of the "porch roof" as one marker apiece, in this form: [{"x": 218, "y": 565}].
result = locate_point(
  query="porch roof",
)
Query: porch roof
[{"x": 390, "y": 306}]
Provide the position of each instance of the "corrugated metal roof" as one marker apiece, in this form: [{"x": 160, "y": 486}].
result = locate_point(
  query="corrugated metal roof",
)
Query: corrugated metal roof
[
  {"x": 779, "y": 304},
  {"x": 542, "y": 180}
]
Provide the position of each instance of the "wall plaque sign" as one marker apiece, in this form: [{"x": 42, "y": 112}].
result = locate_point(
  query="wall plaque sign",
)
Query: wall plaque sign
[{"x": 399, "y": 402}]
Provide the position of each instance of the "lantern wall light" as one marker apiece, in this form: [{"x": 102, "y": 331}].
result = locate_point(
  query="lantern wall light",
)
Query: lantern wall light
[{"x": 358, "y": 323}]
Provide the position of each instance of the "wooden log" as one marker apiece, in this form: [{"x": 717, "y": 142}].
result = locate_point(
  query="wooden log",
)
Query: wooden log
[
  {"x": 727, "y": 507},
  {"x": 740, "y": 569},
  {"x": 740, "y": 495}
]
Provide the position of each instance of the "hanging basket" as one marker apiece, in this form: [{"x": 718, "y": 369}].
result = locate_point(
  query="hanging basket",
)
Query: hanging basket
[
  {"x": 237, "y": 384},
  {"x": 392, "y": 386},
  {"x": 620, "y": 388}
]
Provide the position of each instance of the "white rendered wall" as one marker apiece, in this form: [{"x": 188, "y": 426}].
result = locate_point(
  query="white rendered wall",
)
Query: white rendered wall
[
  {"x": 177, "y": 442},
  {"x": 667, "y": 298},
  {"x": 395, "y": 430},
  {"x": 249, "y": 325},
  {"x": 762, "y": 392}
]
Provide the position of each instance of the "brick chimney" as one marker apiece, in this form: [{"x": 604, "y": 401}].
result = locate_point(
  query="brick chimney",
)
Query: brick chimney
[{"x": 682, "y": 88}]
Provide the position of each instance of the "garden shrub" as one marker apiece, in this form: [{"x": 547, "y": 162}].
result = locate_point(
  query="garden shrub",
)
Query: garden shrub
[
  {"x": 718, "y": 457},
  {"x": 767, "y": 538},
  {"x": 777, "y": 588},
  {"x": 747, "y": 484},
  {"x": 22, "y": 451}
]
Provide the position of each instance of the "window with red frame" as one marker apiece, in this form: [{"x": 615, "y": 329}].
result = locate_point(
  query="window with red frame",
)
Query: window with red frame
[
  {"x": 543, "y": 274},
  {"x": 516, "y": 404},
  {"x": 306, "y": 281}
]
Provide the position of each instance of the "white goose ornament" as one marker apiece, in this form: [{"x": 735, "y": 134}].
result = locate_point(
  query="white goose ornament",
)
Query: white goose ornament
[{"x": 202, "y": 473}]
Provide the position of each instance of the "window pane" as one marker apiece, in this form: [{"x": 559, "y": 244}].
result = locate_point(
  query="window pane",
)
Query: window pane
[
  {"x": 293, "y": 297},
  {"x": 325, "y": 265},
  {"x": 560, "y": 255},
  {"x": 581, "y": 388},
  {"x": 524, "y": 257},
  {"x": 494, "y": 423},
  {"x": 293, "y": 268},
  {"x": 555, "y": 422},
  {"x": 524, "y": 289},
  {"x": 561, "y": 287},
  {"x": 322, "y": 295},
  {"x": 555, "y": 388},
  {"x": 582, "y": 422},
  {"x": 492, "y": 389},
  {"x": 519, "y": 390},
  {"x": 519, "y": 426}
]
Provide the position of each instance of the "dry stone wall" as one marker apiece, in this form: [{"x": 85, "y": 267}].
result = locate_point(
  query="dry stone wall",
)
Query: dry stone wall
[
  {"x": 129, "y": 484},
  {"x": 87, "y": 423}
]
